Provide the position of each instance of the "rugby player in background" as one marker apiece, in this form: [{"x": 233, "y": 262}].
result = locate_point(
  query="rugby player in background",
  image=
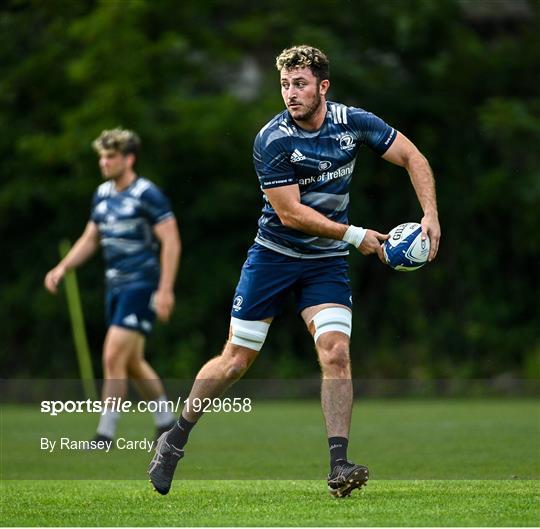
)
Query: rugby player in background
[{"x": 133, "y": 221}]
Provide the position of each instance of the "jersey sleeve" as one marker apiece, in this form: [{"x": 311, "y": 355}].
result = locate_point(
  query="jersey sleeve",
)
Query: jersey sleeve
[
  {"x": 271, "y": 159},
  {"x": 156, "y": 205},
  {"x": 372, "y": 130}
]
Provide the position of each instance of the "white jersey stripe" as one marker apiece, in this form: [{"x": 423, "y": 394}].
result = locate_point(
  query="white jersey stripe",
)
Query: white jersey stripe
[
  {"x": 286, "y": 129},
  {"x": 291, "y": 253},
  {"x": 140, "y": 187},
  {"x": 105, "y": 189},
  {"x": 344, "y": 114}
]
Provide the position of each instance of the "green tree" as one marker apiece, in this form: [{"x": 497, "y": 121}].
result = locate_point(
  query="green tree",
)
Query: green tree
[{"x": 197, "y": 81}]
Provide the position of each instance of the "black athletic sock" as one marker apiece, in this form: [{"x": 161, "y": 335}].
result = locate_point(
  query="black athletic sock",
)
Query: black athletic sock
[
  {"x": 338, "y": 449},
  {"x": 179, "y": 434}
]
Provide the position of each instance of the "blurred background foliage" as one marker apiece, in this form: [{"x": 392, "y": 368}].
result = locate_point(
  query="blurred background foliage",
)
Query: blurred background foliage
[{"x": 197, "y": 81}]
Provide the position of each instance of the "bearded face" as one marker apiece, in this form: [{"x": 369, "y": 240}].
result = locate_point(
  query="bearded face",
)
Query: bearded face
[{"x": 302, "y": 93}]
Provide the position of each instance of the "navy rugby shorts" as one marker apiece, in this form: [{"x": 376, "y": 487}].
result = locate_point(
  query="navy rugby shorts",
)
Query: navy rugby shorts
[
  {"x": 131, "y": 307},
  {"x": 267, "y": 278}
]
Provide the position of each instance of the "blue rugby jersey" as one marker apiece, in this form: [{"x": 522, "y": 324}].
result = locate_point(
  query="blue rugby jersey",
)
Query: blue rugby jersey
[
  {"x": 321, "y": 163},
  {"x": 125, "y": 220}
]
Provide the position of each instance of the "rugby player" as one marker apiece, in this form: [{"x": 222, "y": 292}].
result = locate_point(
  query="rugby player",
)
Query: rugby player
[
  {"x": 133, "y": 221},
  {"x": 304, "y": 158}
]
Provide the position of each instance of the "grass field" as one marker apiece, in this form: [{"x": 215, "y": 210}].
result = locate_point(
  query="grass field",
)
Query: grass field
[
  {"x": 433, "y": 462},
  {"x": 270, "y": 503}
]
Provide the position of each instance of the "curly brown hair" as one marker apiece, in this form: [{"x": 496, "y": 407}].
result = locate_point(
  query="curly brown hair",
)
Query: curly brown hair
[
  {"x": 119, "y": 140},
  {"x": 304, "y": 56}
]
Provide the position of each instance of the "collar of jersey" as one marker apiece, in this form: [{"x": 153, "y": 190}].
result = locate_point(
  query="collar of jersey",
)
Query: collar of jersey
[{"x": 310, "y": 133}]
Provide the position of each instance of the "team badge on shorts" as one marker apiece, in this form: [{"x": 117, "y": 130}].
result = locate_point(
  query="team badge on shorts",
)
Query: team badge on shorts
[{"x": 237, "y": 303}]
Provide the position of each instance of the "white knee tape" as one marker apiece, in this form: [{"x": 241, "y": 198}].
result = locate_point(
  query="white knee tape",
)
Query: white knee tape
[
  {"x": 332, "y": 319},
  {"x": 250, "y": 334}
]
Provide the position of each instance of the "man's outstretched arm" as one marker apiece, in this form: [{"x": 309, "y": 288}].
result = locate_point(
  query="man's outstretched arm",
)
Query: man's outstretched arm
[
  {"x": 404, "y": 153},
  {"x": 82, "y": 250}
]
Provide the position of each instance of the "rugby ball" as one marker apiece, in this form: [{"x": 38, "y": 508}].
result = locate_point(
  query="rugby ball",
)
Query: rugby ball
[{"x": 405, "y": 250}]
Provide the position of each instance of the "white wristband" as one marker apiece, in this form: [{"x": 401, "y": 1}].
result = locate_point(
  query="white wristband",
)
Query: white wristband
[{"x": 354, "y": 235}]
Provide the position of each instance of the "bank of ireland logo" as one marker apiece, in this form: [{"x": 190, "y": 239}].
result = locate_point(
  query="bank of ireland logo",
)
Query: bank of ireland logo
[
  {"x": 237, "y": 303},
  {"x": 346, "y": 141},
  {"x": 325, "y": 165}
]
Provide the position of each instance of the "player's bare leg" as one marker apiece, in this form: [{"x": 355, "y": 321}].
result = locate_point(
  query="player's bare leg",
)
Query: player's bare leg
[
  {"x": 213, "y": 379},
  {"x": 336, "y": 385},
  {"x": 143, "y": 375},
  {"x": 218, "y": 374},
  {"x": 150, "y": 387},
  {"x": 222, "y": 371},
  {"x": 336, "y": 395},
  {"x": 119, "y": 346}
]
